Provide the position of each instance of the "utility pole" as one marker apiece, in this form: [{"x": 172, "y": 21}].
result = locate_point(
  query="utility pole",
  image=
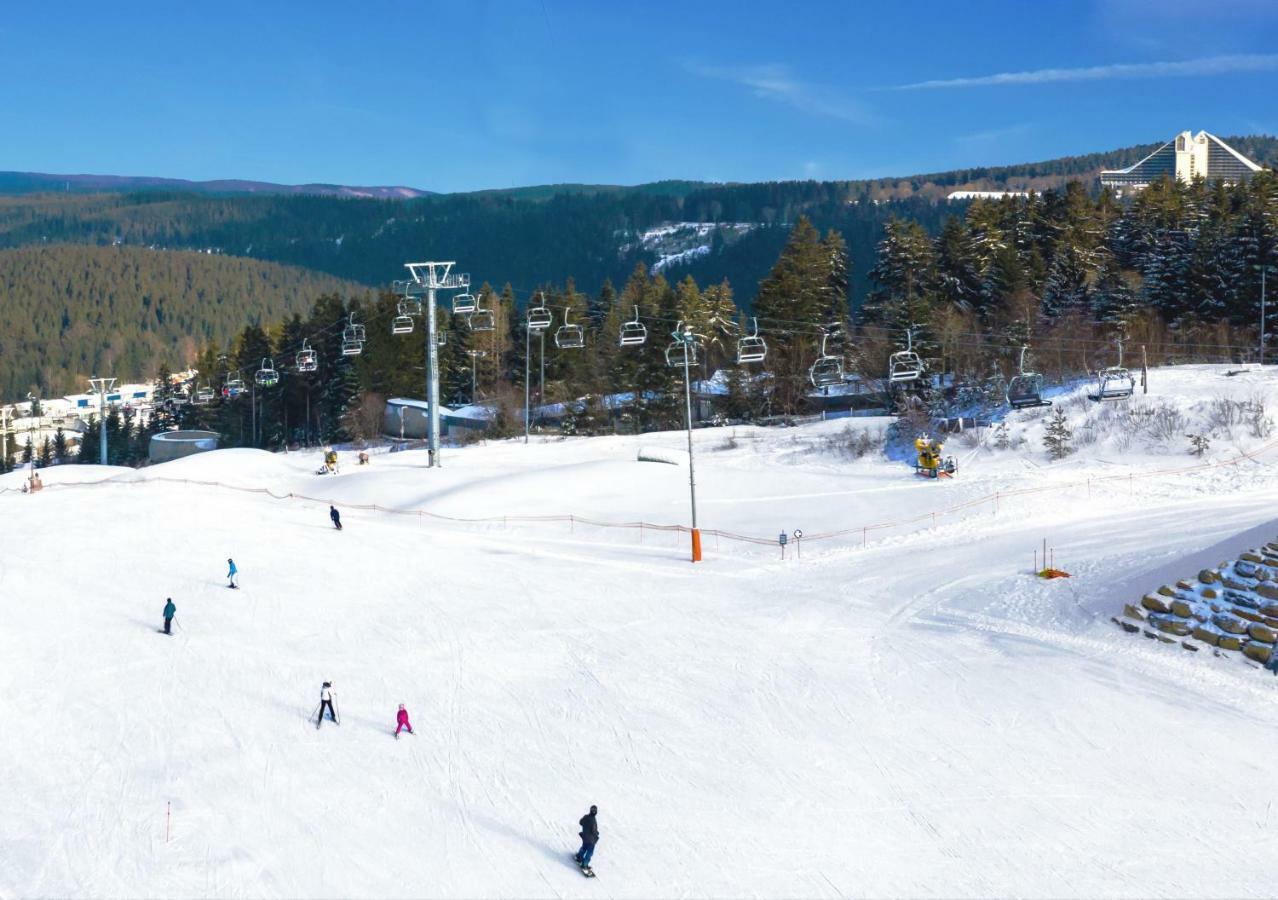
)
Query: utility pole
[
  {"x": 429, "y": 277},
  {"x": 103, "y": 386},
  {"x": 6, "y": 414},
  {"x": 1263, "y": 270},
  {"x": 527, "y": 376},
  {"x": 689, "y": 341},
  {"x": 474, "y": 355}
]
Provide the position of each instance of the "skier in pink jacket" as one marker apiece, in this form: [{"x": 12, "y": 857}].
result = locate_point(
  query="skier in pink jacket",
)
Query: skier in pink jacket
[{"x": 401, "y": 721}]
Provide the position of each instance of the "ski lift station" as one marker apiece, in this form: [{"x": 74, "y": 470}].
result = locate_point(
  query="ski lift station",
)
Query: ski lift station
[
  {"x": 411, "y": 418},
  {"x": 170, "y": 445}
]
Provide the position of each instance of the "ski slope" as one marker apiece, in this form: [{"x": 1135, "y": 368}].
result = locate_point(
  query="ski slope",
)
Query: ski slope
[{"x": 916, "y": 717}]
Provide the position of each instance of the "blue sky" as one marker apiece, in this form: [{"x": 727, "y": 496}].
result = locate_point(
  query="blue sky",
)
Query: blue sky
[{"x": 468, "y": 95}]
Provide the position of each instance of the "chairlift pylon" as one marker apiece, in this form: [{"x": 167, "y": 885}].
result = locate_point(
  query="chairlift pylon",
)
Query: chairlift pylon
[
  {"x": 633, "y": 332},
  {"x": 751, "y": 348},
  {"x": 1025, "y": 389},
  {"x": 569, "y": 336},
  {"x": 826, "y": 369}
]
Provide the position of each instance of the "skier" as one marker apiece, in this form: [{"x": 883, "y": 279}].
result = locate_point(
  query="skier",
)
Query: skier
[
  {"x": 335, "y": 516},
  {"x": 231, "y": 573},
  {"x": 401, "y": 721},
  {"x": 169, "y": 612},
  {"x": 589, "y": 837},
  {"x": 326, "y": 703}
]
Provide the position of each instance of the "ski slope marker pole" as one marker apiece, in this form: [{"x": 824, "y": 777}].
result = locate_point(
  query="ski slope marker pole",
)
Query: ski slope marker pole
[{"x": 168, "y": 812}]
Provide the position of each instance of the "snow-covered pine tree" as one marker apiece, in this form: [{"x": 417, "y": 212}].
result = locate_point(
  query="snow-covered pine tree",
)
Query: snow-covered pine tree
[{"x": 1057, "y": 436}]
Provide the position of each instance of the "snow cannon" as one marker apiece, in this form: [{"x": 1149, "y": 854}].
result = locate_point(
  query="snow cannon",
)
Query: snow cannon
[{"x": 931, "y": 464}]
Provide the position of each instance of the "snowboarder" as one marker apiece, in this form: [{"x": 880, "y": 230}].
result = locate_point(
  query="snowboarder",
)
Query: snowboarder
[
  {"x": 335, "y": 516},
  {"x": 169, "y": 612},
  {"x": 401, "y": 721},
  {"x": 326, "y": 703},
  {"x": 589, "y": 837},
  {"x": 231, "y": 574}
]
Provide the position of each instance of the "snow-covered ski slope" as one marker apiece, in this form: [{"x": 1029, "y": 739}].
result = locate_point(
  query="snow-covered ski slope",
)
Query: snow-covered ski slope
[{"x": 918, "y": 717}]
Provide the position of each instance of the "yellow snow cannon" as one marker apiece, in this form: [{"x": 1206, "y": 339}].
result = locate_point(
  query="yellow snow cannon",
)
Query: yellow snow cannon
[{"x": 931, "y": 464}]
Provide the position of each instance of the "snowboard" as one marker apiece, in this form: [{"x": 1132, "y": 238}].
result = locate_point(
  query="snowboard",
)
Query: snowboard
[
  {"x": 234, "y": 587},
  {"x": 162, "y": 631},
  {"x": 585, "y": 870}
]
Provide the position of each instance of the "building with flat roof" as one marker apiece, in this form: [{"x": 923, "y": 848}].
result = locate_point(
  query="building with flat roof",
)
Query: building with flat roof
[{"x": 1185, "y": 157}]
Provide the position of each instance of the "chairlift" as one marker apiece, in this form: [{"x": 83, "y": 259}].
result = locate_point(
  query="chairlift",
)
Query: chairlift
[
  {"x": 401, "y": 324},
  {"x": 1025, "y": 389},
  {"x": 232, "y": 387},
  {"x": 481, "y": 320},
  {"x": 633, "y": 333},
  {"x": 307, "y": 359},
  {"x": 353, "y": 337},
  {"x": 463, "y": 303},
  {"x": 826, "y": 369},
  {"x": 441, "y": 338},
  {"x": 202, "y": 395},
  {"x": 682, "y": 352},
  {"x": 539, "y": 316},
  {"x": 905, "y": 365},
  {"x": 267, "y": 376},
  {"x": 410, "y": 306},
  {"x": 179, "y": 397},
  {"x": 569, "y": 337},
  {"x": 751, "y": 348},
  {"x": 1114, "y": 382}
]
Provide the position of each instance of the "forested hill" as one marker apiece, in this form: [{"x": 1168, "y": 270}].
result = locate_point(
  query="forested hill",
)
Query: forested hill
[
  {"x": 72, "y": 311},
  {"x": 537, "y": 235}
]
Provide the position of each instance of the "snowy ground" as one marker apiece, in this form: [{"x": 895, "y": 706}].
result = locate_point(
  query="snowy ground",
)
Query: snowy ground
[{"x": 919, "y": 717}]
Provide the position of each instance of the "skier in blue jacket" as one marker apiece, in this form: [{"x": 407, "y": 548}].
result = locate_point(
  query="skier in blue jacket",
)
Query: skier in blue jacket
[{"x": 231, "y": 573}]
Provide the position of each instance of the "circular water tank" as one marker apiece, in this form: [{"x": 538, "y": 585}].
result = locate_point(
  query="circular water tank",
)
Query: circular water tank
[{"x": 168, "y": 445}]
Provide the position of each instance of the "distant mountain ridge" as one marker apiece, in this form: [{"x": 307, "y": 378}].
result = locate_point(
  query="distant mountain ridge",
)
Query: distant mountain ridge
[{"x": 41, "y": 182}]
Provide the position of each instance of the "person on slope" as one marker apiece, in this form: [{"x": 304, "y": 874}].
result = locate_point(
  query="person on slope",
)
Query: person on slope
[
  {"x": 169, "y": 612},
  {"x": 335, "y": 516},
  {"x": 401, "y": 721},
  {"x": 231, "y": 573},
  {"x": 589, "y": 837},
  {"x": 326, "y": 703}
]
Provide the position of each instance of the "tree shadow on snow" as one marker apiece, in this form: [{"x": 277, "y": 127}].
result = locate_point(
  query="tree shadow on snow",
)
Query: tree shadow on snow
[{"x": 562, "y": 855}]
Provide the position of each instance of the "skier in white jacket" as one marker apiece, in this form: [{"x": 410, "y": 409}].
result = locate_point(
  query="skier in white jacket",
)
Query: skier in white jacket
[{"x": 326, "y": 703}]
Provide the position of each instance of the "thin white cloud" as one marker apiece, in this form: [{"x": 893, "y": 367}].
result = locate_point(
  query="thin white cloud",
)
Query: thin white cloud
[
  {"x": 776, "y": 83},
  {"x": 1208, "y": 65}
]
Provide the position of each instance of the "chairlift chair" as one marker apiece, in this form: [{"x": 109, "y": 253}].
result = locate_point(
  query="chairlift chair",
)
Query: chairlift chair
[
  {"x": 307, "y": 359},
  {"x": 353, "y": 337},
  {"x": 481, "y": 320},
  {"x": 267, "y": 376},
  {"x": 441, "y": 338},
  {"x": 463, "y": 303},
  {"x": 569, "y": 336},
  {"x": 1114, "y": 382},
  {"x": 633, "y": 333},
  {"x": 233, "y": 387},
  {"x": 826, "y": 369},
  {"x": 751, "y": 348},
  {"x": 403, "y": 322},
  {"x": 683, "y": 350},
  {"x": 539, "y": 316},
  {"x": 1025, "y": 389},
  {"x": 202, "y": 395},
  {"x": 410, "y": 306}
]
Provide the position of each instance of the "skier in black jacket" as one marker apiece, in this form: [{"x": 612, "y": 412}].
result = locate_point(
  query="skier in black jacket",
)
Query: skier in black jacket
[
  {"x": 589, "y": 837},
  {"x": 335, "y": 516}
]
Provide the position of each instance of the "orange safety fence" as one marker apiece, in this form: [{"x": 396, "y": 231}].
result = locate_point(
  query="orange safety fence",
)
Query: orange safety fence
[{"x": 864, "y": 530}]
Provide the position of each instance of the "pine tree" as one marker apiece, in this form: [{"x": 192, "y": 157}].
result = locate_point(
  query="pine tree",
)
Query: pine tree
[
  {"x": 46, "y": 453},
  {"x": 1057, "y": 436},
  {"x": 59, "y": 446}
]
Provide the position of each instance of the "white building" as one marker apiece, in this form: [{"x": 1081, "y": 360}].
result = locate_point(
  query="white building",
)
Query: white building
[{"x": 1185, "y": 157}]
